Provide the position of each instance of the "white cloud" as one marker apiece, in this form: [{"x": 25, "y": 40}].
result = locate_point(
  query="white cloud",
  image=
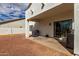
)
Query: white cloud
[{"x": 11, "y": 10}]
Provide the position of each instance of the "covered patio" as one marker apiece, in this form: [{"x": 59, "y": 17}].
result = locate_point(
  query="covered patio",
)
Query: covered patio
[{"x": 44, "y": 23}]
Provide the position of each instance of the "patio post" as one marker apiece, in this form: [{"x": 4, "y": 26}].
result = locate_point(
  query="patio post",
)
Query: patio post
[
  {"x": 76, "y": 32},
  {"x": 27, "y": 28}
]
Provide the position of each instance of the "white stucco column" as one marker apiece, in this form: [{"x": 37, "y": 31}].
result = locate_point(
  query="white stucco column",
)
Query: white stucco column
[
  {"x": 27, "y": 28},
  {"x": 76, "y": 31}
]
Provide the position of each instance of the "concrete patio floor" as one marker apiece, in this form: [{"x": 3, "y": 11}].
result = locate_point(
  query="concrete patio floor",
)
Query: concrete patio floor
[
  {"x": 50, "y": 43},
  {"x": 18, "y": 45}
]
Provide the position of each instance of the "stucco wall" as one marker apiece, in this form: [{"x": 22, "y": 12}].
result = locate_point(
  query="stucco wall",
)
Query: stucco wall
[
  {"x": 44, "y": 28},
  {"x": 6, "y": 31},
  {"x": 15, "y": 24},
  {"x": 16, "y": 27},
  {"x": 76, "y": 35}
]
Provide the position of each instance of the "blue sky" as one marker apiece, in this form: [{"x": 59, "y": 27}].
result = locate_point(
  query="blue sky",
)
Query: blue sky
[{"x": 11, "y": 11}]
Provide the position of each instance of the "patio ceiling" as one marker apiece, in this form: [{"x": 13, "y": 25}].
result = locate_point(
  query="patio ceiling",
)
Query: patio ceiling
[{"x": 53, "y": 12}]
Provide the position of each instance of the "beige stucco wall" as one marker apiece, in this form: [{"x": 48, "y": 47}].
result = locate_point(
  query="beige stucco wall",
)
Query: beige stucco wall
[
  {"x": 76, "y": 35},
  {"x": 44, "y": 28},
  {"x": 13, "y": 27},
  {"x": 15, "y": 24}
]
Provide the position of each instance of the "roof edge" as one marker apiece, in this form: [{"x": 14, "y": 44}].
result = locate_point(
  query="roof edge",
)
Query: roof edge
[{"x": 11, "y": 21}]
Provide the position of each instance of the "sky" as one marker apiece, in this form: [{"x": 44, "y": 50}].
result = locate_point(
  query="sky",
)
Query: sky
[{"x": 11, "y": 11}]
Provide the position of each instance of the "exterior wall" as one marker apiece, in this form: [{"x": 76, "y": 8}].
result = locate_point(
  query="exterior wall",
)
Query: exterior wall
[
  {"x": 44, "y": 28},
  {"x": 15, "y": 24},
  {"x": 76, "y": 35},
  {"x": 12, "y": 28},
  {"x": 6, "y": 31}
]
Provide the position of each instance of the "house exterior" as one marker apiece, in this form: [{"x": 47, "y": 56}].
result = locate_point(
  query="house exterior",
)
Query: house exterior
[
  {"x": 42, "y": 18},
  {"x": 45, "y": 17},
  {"x": 42, "y": 15}
]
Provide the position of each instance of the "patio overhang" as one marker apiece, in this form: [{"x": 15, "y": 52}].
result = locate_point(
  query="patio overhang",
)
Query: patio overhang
[{"x": 56, "y": 11}]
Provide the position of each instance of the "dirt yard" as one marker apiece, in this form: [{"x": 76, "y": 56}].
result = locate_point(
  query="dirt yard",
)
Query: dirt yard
[{"x": 17, "y": 45}]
